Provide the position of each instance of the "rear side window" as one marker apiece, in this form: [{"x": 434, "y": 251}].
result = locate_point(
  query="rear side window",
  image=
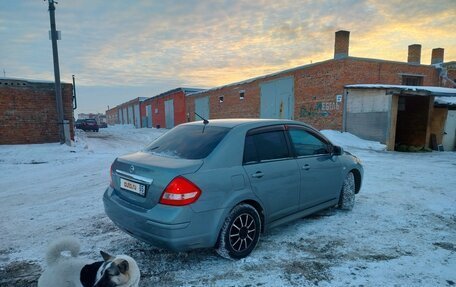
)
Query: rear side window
[
  {"x": 265, "y": 146},
  {"x": 188, "y": 141}
]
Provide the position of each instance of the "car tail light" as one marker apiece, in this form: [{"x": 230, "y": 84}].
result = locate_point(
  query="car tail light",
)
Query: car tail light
[{"x": 180, "y": 191}]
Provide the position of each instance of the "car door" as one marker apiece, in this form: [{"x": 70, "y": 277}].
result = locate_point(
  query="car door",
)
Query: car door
[
  {"x": 273, "y": 172},
  {"x": 321, "y": 171}
]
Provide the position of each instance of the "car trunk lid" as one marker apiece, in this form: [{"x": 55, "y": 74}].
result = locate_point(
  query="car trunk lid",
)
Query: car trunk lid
[{"x": 140, "y": 178}]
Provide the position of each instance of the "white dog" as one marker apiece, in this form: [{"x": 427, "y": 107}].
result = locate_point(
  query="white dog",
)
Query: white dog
[{"x": 72, "y": 271}]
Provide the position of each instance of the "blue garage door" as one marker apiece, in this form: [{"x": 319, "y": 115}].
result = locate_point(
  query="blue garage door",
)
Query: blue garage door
[
  {"x": 169, "y": 114},
  {"x": 202, "y": 108},
  {"x": 277, "y": 99}
]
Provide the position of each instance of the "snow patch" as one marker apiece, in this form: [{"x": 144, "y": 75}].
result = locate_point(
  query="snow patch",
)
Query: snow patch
[
  {"x": 445, "y": 100},
  {"x": 348, "y": 140}
]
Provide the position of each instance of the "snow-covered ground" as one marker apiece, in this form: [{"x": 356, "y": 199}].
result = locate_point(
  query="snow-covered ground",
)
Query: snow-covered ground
[{"x": 402, "y": 231}]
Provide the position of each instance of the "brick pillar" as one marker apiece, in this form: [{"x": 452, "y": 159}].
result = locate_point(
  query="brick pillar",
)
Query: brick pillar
[
  {"x": 341, "y": 44},
  {"x": 437, "y": 56},
  {"x": 414, "y": 54}
]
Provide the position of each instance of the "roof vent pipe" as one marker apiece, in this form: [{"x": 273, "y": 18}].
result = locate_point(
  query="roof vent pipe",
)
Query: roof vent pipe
[
  {"x": 414, "y": 54},
  {"x": 341, "y": 44},
  {"x": 437, "y": 56}
]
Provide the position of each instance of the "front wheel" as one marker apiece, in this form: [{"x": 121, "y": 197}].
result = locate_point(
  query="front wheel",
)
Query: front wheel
[
  {"x": 347, "y": 194},
  {"x": 240, "y": 232}
]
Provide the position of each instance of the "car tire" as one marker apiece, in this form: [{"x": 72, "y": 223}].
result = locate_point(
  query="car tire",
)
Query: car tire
[
  {"x": 240, "y": 233},
  {"x": 347, "y": 194}
]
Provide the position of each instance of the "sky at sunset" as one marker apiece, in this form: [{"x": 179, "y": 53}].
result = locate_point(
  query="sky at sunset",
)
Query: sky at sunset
[{"x": 120, "y": 50}]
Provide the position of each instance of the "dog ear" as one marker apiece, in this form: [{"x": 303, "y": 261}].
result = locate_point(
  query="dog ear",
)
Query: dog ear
[
  {"x": 106, "y": 256},
  {"x": 123, "y": 266}
]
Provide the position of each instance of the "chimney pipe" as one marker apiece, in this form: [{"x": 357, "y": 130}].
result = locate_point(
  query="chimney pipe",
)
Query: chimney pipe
[
  {"x": 437, "y": 56},
  {"x": 414, "y": 54},
  {"x": 341, "y": 44}
]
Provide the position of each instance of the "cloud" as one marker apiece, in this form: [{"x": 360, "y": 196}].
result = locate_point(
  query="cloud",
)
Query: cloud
[{"x": 208, "y": 43}]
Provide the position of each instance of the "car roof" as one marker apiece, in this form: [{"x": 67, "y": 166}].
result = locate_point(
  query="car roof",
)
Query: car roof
[{"x": 231, "y": 123}]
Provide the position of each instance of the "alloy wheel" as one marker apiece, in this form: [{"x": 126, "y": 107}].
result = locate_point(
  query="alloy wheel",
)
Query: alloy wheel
[{"x": 242, "y": 232}]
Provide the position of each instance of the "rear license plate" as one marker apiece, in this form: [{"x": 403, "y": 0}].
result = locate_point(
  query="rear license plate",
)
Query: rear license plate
[{"x": 133, "y": 186}]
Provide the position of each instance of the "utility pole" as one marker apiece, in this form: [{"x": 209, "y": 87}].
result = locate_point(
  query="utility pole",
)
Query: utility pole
[{"x": 58, "y": 87}]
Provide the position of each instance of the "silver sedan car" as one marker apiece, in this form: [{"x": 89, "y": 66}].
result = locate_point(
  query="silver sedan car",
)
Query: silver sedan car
[{"x": 221, "y": 183}]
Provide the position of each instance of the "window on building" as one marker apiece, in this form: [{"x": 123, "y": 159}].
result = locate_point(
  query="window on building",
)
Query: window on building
[
  {"x": 221, "y": 99},
  {"x": 412, "y": 80},
  {"x": 241, "y": 95}
]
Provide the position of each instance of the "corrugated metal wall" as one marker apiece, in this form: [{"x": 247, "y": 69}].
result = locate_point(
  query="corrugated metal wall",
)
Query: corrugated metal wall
[{"x": 368, "y": 114}]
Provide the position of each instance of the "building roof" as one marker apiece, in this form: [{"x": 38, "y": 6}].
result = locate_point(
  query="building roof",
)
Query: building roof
[
  {"x": 425, "y": 90},
  {"x": 8, "y": 79},
  {"x": 187, "y": 91},
  {"x": 312, "y": 65}
]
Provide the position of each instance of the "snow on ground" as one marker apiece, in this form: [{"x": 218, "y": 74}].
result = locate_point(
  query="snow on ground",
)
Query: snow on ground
[
  {"x": 348, "y": 140},
  {"x": 401, "y": 232}
]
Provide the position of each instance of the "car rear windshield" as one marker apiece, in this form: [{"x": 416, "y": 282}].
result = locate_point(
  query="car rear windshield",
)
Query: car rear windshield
[{"x": 188, "y": 141}]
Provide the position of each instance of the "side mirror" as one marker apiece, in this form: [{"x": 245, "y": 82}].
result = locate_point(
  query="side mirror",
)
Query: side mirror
[{"x": 337, "y": 150}]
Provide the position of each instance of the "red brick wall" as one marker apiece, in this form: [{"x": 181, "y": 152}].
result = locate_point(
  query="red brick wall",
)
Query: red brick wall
[
  {"x": 315, "y": 89},
  {"x": 112, "y": 116},
  {"x": 179, "y": 101},
  {"x": 28, "y": 112}
]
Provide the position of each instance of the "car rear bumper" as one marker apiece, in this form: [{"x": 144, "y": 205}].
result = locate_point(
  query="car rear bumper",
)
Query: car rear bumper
[{"x": 170, "y": 227}]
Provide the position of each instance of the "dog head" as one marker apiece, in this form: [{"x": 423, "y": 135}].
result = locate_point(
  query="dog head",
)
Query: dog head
[{"x": 117, "y": 271}]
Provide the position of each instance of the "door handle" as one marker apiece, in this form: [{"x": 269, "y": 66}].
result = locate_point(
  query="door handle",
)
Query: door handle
[
  {"x": 258, "y": 174},
  {"x": 306, "y": 167}
]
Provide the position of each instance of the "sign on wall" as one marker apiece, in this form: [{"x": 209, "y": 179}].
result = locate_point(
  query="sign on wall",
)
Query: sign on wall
[{"x": 319, "y": 109}]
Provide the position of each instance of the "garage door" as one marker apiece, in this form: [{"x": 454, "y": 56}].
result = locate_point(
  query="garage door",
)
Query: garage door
[
  {"x": 277, "y": 99},
  {"x": 202, "y": 108}
]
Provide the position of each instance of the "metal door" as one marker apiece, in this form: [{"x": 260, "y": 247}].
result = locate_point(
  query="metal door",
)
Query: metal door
[
  {"x": 149, "y": 115},
  {"x": 119, "y": 118},
  {"x": 202, "y": 108},
  {"x": 449, "y": 136},
  {"x": 130, "y": 115},
  {"x": 137, "y": 117},
  {"x": 124, "y": 116},
  {"x": 169, "y": 114},
  {"x": 277, "y": 99}
]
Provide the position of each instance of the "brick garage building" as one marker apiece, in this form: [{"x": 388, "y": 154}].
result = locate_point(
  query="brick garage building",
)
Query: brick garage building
[
  {"x": 28, "y": 112},
  {"x": 129, "y": 113},
  {"x": 112, "y": 116},
  {"x": 166, "y": 110},
  {"x": 314, "y": 93}
]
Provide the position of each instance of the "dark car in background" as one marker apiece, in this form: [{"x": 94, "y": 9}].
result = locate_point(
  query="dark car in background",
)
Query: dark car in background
[
  {"x": 78, "y": 124},
  {"x": 87, "y": 125},
  {"x": 222, "y": 183}
]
